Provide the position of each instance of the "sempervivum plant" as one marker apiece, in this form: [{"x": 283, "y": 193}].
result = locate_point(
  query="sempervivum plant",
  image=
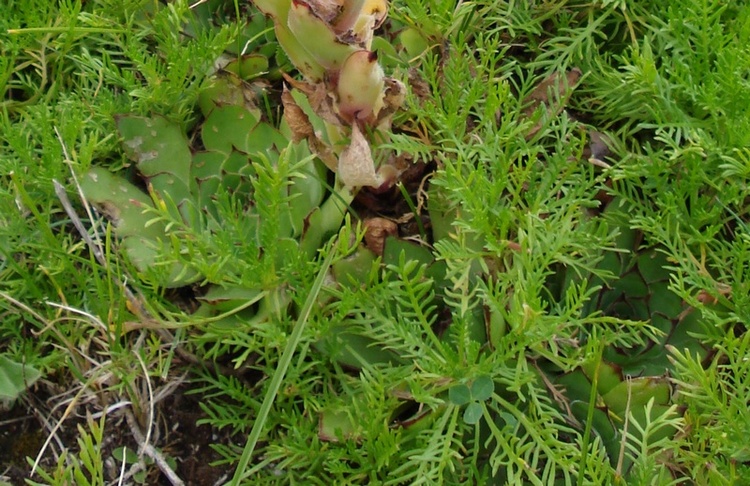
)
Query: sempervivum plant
[
  {"x": 241, "y": 190},
  {"x": 624, "y": 395},
  {"x": 239, "y": 163}
]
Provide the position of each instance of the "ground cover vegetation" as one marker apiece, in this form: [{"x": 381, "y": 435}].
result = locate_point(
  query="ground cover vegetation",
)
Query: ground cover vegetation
[{"x": 441, "y": 242}]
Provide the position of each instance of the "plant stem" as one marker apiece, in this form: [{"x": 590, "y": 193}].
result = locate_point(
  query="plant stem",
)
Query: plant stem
[
  {"x": 590, "y": 415},
  {"x": 325, "y": 220}
]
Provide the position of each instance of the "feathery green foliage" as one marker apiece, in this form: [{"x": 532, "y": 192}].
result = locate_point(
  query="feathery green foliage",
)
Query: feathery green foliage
[{"x": 572, "y": 308}]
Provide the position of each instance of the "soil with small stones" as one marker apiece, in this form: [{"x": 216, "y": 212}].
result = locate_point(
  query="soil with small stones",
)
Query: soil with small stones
[{"x": 176, "y": 434}]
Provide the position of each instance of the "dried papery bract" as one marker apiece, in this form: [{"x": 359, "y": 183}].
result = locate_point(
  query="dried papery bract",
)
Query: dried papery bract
[
  {"x": 296, "y": 119},
  {"x": 328, "y": 10},
  {"x": 356, "y": 167},
  {"x": 359, "y": 19}
]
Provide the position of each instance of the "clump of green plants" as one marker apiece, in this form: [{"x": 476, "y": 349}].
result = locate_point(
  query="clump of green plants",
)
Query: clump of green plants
[
  {"x": 241, "y": 159},
  {"x": 466, "y": 243},
  {"x": 261, "y": 181},
  {"x": 581, "y": 368}
]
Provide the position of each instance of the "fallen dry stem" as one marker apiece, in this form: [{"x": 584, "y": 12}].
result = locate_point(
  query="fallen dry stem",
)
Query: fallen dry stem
[{"x": 150, "y": 451}]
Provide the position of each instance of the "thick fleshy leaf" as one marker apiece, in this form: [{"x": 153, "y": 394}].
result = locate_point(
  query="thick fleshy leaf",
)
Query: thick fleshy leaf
[
  {"x": 222, "y": 90},
  {"x": 609, "y": 377},
  {"x": 141, "y": 236},
  {"x": 162, "y": 155},
  {"x": 121, "y": 202},
  {"x": 307, "y": 188},
  {"x": 264, "y": 139},
  {"x": 337, "y": 425},
  {"x": 228, "y": 298},
  {"x": 248, "y": 67},
  {"x": 226, "y": 129},
  {"x": 413, "y": 42},
  {"x": 278, "y": 9},
  {"x": 305, "y": 62},
  {"x": 354, "y": 350},
  {"x": 15, "y": 378},
  {"x": 355, "y": 269},
  {"x": 360, "y": 87},
  {"x": 157, "y": 146},
  {"x": 316, "y": 37},
  {"x": 495, "y": 325}
]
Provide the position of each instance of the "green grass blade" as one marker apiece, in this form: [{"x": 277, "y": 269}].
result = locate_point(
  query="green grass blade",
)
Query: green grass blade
[{"x": 278, "y": 376}]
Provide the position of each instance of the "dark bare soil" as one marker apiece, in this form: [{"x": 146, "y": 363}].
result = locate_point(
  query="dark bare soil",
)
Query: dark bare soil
[{"x": 176, "y": 434}]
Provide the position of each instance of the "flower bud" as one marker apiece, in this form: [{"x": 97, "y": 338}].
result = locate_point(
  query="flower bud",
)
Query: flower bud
[{"x": 360, "y": 87}]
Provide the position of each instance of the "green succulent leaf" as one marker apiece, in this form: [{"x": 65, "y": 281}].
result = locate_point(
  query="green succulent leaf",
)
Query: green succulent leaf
[
  {"x": 316, "y": 38},
  {"x": 413, "y": 252},
  {"x": 15, "y": 378},
  {"x": 636, "y": 392},
  {"x": 263, "y": 138},
  {"x": 249, "y": 66},
  {"x": 158, "y": 147},
  {"x": 227, "y": 128},
  {"x": 354, "y": 350},
  {"x": 224, "y": 90},
  {"x": 229, "y": 298},
  {"x": 336, "y": 425},
  {"x": 610, "y": 375},
  {"x": 413, "y": 43},
  {"x": 122, "y": 202},
  {"x": 354, "y": 269}
]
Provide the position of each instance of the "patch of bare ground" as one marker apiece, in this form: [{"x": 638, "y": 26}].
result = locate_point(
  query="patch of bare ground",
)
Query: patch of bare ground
[{"x": 183, "y": 444}]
